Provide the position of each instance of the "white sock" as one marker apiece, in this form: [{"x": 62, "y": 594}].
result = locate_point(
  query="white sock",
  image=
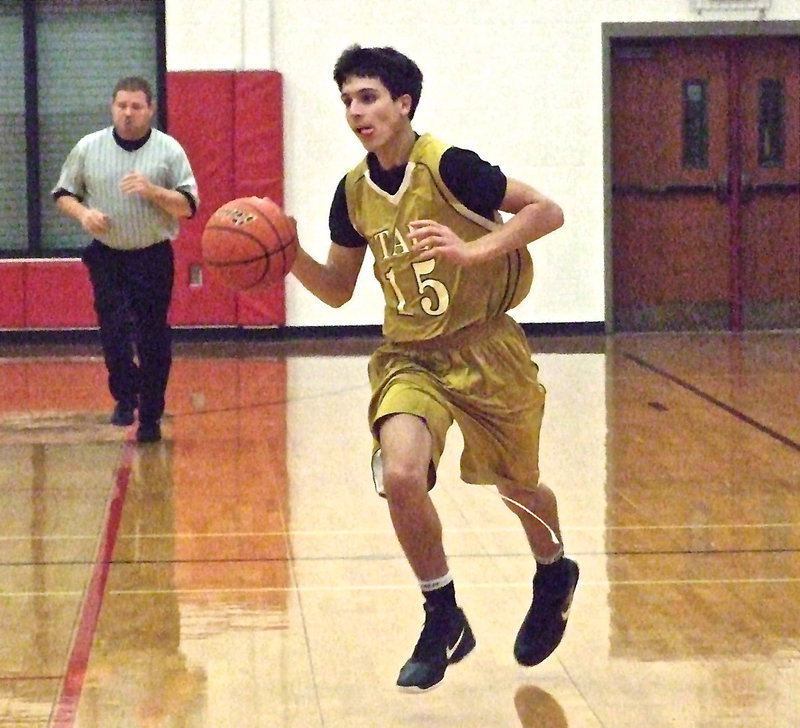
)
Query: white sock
[{"x": 434, "y": 584}]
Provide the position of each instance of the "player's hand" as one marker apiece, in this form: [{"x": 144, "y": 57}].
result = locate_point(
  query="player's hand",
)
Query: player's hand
[
  {"x": 136, "y": 183},
  {"x": 431, "y": 239},
  {"x": 293, "y": 223},
  {"x": 292, "y": 220},
  {"x": 94, "y": 222}
]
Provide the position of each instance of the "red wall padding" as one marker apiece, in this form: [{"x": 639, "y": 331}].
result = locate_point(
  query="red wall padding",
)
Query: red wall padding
[
  {"x": 12, "y": 302},
  {"x": 45, "y": 294},
  {"x": 58, "y": 294},
  {"x": 258, "y": 139},
  {"x": 231, "y": 125},
  {"x": 200, "y": 116}
]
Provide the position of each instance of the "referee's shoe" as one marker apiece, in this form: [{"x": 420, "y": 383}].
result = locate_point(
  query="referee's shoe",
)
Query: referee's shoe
[
  {"x": 148, "y": 431},
  {"x": 122, "y": 416}
]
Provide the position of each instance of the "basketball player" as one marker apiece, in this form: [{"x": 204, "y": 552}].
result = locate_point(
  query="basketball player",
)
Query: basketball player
[
  {"x": 128, "y": 186},
  {"x": 449, "y": 271}
]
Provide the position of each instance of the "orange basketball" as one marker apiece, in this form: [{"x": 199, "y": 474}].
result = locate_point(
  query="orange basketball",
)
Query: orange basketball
[{"x": 249, "y": 244}]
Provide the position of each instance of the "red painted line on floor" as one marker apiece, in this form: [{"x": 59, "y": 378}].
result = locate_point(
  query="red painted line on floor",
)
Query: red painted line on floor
[{"x": 66, "y": 708}]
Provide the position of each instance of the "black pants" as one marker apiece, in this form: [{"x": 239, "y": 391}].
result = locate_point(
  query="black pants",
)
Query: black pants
[{"x": 132, "y": 294}]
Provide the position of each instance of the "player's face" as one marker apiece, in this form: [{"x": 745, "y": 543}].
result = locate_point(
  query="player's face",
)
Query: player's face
[
  {"x": 131, "y": 114},
  {"x": 374, "y": 116}
]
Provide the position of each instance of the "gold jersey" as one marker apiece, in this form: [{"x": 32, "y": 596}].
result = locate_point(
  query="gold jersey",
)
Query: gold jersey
[{"x": 426, "y": 299}]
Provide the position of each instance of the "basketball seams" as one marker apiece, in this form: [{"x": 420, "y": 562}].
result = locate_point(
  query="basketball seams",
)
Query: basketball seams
[
  {"x": 267, "y": 219},
  {"x": 222, "y": 265},
  {"x": 287, "y": 261},
  {"x": 282, "y": 243},
  {"x": 243, "y": 233},
  {"x": 277, "y": 243}
]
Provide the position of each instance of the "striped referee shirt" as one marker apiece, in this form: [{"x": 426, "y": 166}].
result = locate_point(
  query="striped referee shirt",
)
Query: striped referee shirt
[{"x": 95, "y": 167}]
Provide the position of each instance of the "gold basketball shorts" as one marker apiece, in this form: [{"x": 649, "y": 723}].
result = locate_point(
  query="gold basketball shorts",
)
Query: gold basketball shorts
[{"x": 481, "y": 377}]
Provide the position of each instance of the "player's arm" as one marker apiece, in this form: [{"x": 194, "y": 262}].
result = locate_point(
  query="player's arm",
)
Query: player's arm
[
  {"x": 533, "y": 216},
  {"x": 331, "y": 282}
]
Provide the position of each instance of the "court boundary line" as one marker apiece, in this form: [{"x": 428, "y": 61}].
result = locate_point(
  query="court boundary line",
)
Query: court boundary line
[
  {"x": 65, "y": 710},
  {"x": 387, "y": 532},
  {"x": 462, "y": 585},
  {"x": 744, "y": 581},
  {"x": 738, "y": 414},
  {"x": 361, "y": 557}
]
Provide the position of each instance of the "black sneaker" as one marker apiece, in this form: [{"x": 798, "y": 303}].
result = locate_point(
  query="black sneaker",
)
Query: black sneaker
[
  {"x": 546, "y": 620},
  {"x": 148, "y": 431},
  {"x": 446, "y": 638},
  {"x": 122, "y": 416}
]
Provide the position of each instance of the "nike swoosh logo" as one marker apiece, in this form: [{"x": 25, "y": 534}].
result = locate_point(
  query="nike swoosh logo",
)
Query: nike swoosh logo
[
  {"x": 450, "y": 651},
  {"x": 565, "y": 612}
]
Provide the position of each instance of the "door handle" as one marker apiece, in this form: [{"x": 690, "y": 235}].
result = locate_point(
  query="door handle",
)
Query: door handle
[
  {"x": 747, "y": 190},
  {"x": 723, "y": 188}
]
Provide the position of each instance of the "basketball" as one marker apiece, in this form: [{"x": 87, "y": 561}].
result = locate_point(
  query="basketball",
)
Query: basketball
[{"x": 249, "y": 244}]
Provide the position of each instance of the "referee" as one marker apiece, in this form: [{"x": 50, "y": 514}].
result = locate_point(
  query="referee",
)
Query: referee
[{"x": 128, "y": 186}]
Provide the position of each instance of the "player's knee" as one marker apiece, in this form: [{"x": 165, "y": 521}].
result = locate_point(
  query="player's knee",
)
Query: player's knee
[
  {"x": 510, "y": 489},
  {"x": 536, "y": 494},
  {"x": 403, "y": 484}
]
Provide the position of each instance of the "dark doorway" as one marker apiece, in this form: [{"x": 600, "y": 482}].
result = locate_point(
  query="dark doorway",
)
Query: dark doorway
[{"x": 705, "y": 172}]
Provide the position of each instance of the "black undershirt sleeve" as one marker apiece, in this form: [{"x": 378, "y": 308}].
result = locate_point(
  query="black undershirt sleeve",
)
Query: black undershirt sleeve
[
  {"x": 342, "y": 230},
  {"x": 192, "y": 202},
  {"x": 478, "y": 185},
  {"x": 61, "y": 192}
]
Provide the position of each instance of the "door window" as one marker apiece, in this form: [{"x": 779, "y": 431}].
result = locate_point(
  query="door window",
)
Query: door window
[
  {"x": 695, "y": 124},
  {"x": 770, "y": 123}
]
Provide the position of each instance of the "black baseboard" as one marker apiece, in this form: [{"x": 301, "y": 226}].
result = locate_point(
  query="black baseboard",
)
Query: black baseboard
[
  {"x": 194, "y": 334},
  {"x": 580, "y": 328}
]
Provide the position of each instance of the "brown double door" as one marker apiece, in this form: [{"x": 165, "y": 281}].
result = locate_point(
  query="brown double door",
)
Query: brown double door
[{"x": 706, "y": 183}]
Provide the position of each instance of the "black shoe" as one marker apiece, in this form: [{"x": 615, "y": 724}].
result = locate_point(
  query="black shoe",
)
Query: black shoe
[
  {"x": 446, "y": 638},
  {"x": 546, "y": 620},
  {"x": 122, "y": 416},
  {"x": 148, "y": 431}
]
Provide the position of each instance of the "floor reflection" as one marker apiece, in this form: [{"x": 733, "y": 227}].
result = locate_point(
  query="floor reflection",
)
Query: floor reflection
[
  {"x": 138, "y": 674},
  {"x": 255, "y": 579},
  {"x": 537, "y": 708}
]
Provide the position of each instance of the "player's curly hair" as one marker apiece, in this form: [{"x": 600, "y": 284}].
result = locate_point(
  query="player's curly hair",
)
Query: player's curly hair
[{"x": 397, "y": 72}]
